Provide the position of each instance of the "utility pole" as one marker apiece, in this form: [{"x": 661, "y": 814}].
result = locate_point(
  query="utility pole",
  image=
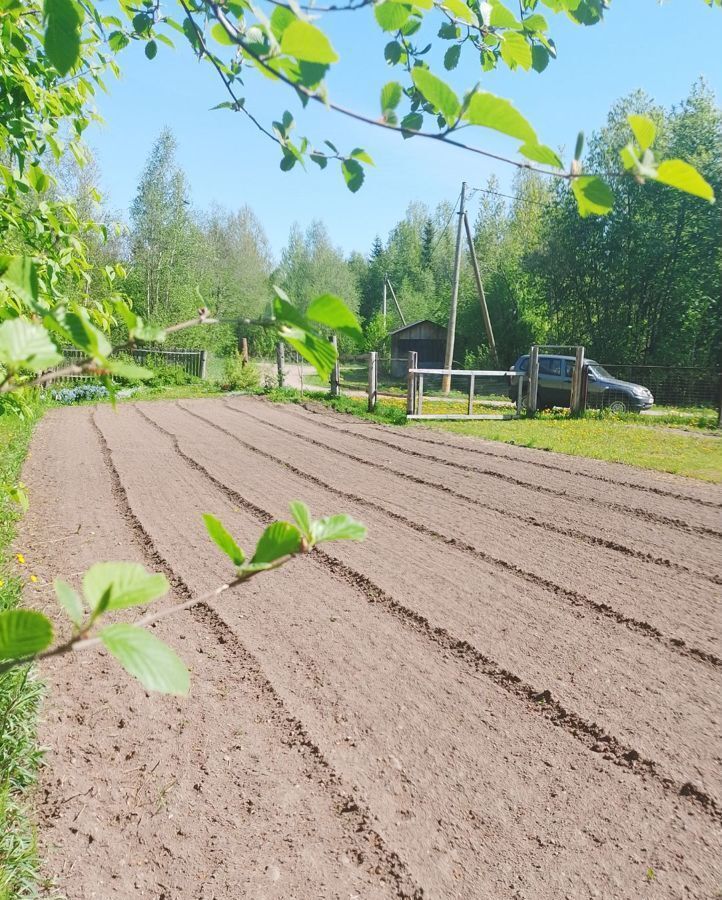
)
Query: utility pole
[
  {"x": 393, "y": 294},
  {"x": 451, "y": 332},
  {"x": 482, "y": 295},
  {"x": 384, "y": 300}
]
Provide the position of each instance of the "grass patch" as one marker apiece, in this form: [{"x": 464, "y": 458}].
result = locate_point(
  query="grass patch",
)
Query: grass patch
[
  {"x": 606, "y": 437},
  {"x": 20, "y": 692},
  {"x": 389, "y": 413}
]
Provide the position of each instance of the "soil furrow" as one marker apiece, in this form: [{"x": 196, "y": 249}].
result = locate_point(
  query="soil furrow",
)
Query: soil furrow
[
  {"x": 591, "y": 731},
  {"x": 672, "y": 643},
  {"x": 478, "y": 502},
  {"x": 360, "y": 433},
  {"x": 532, "y": 457},
  {"x": 364, "y": 842},
  {"x": 436, "y": 719}
]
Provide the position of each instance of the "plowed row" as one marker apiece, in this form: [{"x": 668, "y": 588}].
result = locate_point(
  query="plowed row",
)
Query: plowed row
[{"x": 510, "y": 690}]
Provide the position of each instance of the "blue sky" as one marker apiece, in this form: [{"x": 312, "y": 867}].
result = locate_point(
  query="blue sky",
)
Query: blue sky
[{"x": 660, "y": 47}]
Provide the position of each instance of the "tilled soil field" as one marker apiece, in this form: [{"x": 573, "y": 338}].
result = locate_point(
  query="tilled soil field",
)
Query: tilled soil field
[{"x": 510, "y": 690}]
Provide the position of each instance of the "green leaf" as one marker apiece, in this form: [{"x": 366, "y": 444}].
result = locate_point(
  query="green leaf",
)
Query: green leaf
[
  {"x": 337, "y": 528},
  {"x": 302, "y": 517},
  {"x": 363, "y": 155},
  {"x": 535, "y": 22},
  {"x": 391, "y": 16},
  {"x": 681, "y": 175},
  {"x": 644, "y": 130},
  {"x": 542, "y": 154},
  {"x": 128, "y": 370},
  {"x": 501, "y": 17},
  {"x": 594, "y": 196},
  {"x": 123, "y": 583},
  {"x": 26, "y": 345},
  {"x": 437, "y": 92},
  {"x": 392, "y": 52},
  {"x": 515, "y": 51},
  {"x": 412, "y": 122},
  {"x": 332, "y": 311},
  {"x": 353, "y": 174},
  {"x": 491, "y": 111},
  {"x": 459, "y": 10},
  {"x": 279, "y": 539},
  {"x": 84, "y": 334},
  {"x": 70, "y": 601},
  {"x": 451, "y": 57},
  {"x": 306, "y": 42},
  {"x": 390, "y": 96},
  {"x": 23, "y": 632},
  {"x": 539, "y": 58},
  {"x": 219, "y": 33},
  {"x": 37, "y": 179},
  {"x": 151, "y": 50},
  {"x": 294, "y": 328},
  {"x": 117, "y": 41},
  {"x": 153, "y": 663},
  {"x": 223, "y": 539},
  {"x": 63, "y": 21},
  {"x": 281, "y": 18},
  {"x": 20, "y": 273}
]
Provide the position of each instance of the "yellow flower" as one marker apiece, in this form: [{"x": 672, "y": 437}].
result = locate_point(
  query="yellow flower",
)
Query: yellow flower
[
  {"x": 1, "y": 582},
  {"x": 20, "y": 558},
  {"x": 33, "y": 578}
]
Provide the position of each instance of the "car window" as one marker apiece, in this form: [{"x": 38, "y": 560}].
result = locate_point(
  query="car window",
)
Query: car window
[
  {"x": 568, "y": 368},
  {"x": 550, "y": 365},
  {"x": 523, "y": 365}
]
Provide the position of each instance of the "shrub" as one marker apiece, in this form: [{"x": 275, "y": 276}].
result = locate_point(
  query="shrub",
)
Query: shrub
[
  {"x": 239, "y": 377},
  {"x": 165, "y": 374}
]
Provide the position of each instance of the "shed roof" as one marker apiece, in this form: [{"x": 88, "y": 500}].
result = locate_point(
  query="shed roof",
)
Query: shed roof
[{"x": 414, "y": 324}]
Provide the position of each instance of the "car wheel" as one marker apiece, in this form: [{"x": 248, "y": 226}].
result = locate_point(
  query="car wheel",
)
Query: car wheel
[{"x": 617, "y": 404}]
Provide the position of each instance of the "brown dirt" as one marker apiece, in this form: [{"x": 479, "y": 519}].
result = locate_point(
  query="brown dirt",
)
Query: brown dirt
[{"x": 511, "y": 690}]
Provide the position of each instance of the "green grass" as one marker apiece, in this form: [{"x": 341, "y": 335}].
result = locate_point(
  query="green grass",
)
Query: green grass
[
  {"x": 389, "y": 413},
  {"x": 608, "y": 438},
  {"x": 599, "y": 435},
  {"x": 20, "y": 692}
]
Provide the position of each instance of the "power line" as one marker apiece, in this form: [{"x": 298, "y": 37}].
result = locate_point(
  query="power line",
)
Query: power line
[
  {"x": 445, "y": 228},
  {"x": 476, "y": 190}
]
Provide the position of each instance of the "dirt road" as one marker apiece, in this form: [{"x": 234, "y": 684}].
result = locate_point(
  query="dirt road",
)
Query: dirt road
[{"x": 510, "y": 690}]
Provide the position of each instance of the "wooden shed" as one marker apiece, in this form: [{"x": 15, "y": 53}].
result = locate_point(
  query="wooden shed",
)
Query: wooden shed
[{"x": 425, "y": 337}]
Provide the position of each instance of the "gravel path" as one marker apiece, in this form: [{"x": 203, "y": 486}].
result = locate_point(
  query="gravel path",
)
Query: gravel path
[{"x": 510, "y": 690}]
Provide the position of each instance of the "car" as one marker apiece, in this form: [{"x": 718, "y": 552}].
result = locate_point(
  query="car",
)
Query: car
[{"x": 604, "y": 391}]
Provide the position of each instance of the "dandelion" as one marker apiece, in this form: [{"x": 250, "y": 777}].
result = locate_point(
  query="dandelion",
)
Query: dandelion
[
  {"x": 33, "y": 578},
  {"x": 20, "y": 558},
  {"x": 1, "y": 582}
]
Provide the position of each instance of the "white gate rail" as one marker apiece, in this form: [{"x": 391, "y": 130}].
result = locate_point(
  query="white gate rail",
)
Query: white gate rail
[{"x": 416, "y": 392}]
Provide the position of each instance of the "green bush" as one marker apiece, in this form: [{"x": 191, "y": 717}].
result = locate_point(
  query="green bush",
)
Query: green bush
[
  {"x": 240, "y": 377},
  {"x": 166, "y": 375}
]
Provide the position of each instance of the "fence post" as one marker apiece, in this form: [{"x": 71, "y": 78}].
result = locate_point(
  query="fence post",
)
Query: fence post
[
  {"x": 575, "y": 402},
  {"x": 584, "y": 390},
  {"x": 373, "y": 382},
  {"x": 244, "y": 352},
  {"x": 411, "y": 383},
  {"x": 279, "y": 362},
  {"x": 531, "y": 403},
  {"x": 204, "y": 364},
  {"x": 471, "y": 394},
  {"x": 336, "y": 371}
]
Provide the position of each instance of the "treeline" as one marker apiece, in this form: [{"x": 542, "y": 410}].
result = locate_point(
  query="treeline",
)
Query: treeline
[{"x": 640, "y": 285}]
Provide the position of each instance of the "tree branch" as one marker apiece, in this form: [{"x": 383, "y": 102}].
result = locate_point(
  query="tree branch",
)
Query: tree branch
[
  {"x": 237, "y": 38},
  {"x": 79, "y": 642},
  {"x": 239, "y": 103}
]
